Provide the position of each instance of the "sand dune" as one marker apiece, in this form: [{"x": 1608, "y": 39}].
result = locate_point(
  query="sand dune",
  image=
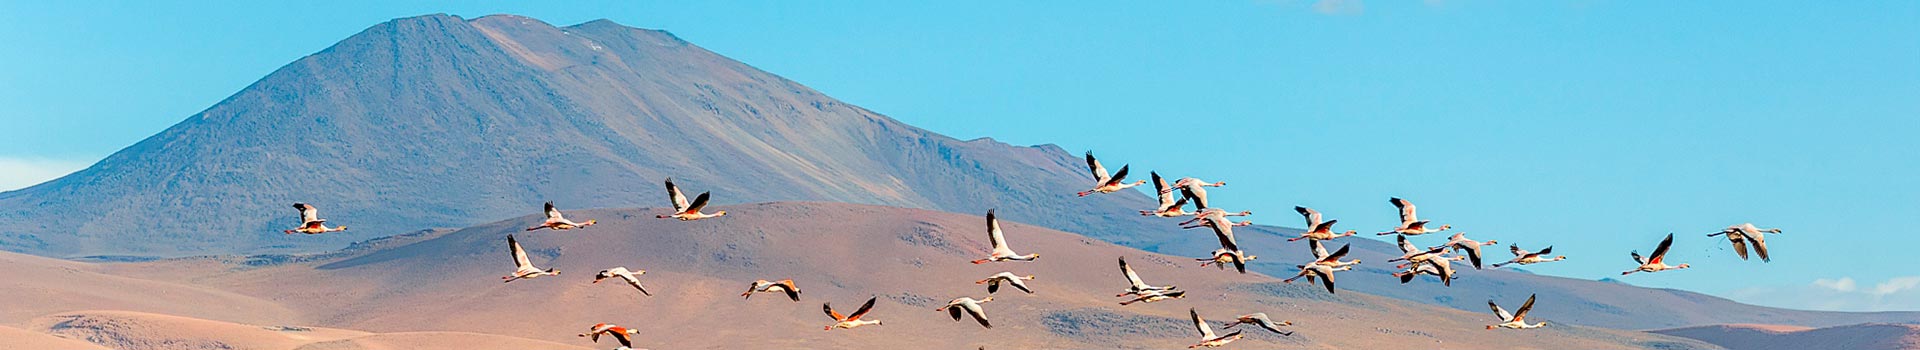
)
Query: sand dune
[
  {"x": 841, "y": 253},
  {"x": 40, "y": 286},
  {"x": 15, "y": 338},
  {"x": 1869, "y": 336},
  {"x": 127, "y": 330}
]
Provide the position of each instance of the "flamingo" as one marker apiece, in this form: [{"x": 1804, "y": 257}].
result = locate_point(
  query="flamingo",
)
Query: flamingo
[
  {"x": 1017, "y": 281},
  {"x": 1260, "y": 319},
  {"x": 310, "y": 221},
  {"x": 1210, "y": 216},
  {"x": 1516, "y": 320},
  {"x": 1195, "y": 190},
  {"x": 1107, "y": 184},
  {"x": 1317, "y": 230},
  {"x": 523, "y": 269},
  {"x": 1153, "y": 296},
  {"x": 1134, "y": 285},
  {"x": 688, "y": 211},
  {"x": 1414, "y": 255},
  {"x": 1658, "y": 262},
  {"x": 1229, "y": 251},
  {"x": 622, "y": 334},
  {"x": 1459, "y": 242},
  {"x": 999, "y": 240},
  {"x": 1740, "y": 234},
  {"x": 625, "y": 275},
  {"x": 970, "y": 307},
  {"x": 1438, "y": 265},
  {"x": 764, "y": 286},
  {"x": 1410, "y": 224},
  {"x": 1169, "y": 207},
  {"x": 559, "y": 222},
  {"x": 850, "y": 321},
  {"x": 1324, "y": 267},
  {"x": 1523, "y": 257},
  {"x": 1207, "y": 339}
]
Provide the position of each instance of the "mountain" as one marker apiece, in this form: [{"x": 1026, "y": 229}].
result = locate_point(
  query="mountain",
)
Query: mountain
[
  {"x": 1869, "y": 336},
  {"x": 912, "y": 260},
  {"x": 436, "y": 121}
]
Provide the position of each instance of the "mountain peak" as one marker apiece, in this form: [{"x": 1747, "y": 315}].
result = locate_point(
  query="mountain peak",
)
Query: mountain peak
[{"x": 434, "y": 121}]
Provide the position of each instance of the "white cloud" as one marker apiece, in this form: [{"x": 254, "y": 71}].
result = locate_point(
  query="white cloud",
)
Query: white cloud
[
  {"x": 1896, "y": 285},
  {"x": 17, "y": 173},
  {"x": 1844, "y": 284},
  {"x": 1841, "y": 294}
]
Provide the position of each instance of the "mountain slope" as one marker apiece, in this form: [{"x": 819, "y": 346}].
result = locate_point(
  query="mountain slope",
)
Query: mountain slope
[{"x": 435, "y": 121}]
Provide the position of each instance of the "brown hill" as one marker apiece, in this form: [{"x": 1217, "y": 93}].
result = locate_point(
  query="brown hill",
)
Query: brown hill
[
  {"x": 1868, "y": 336},
  {"x": 39, "y": 286},
  {"x": 15, "y": 338},
  {"x": 145, "y": 331},
  {"x": 840, "y": 253}
]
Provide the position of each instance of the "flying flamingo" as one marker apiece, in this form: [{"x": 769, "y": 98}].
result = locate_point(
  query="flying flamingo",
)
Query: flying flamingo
[
  {"x": 1104, "y": 183},
  {"x": 1516, "y": 320},
  {"x": 311, "y": 223},
  {"x": 523, "y": 269},
  {"x": 850, "y": 321},
  {"x": 688, "y": 211},
  {"x": 559, "y": 222},
  {"x": 1523, "y": 257},
  {"x": 1740, "y": 235},
  {"x": 1207, "y": 339},
  {"x": 999, "y": 240},
  {"x": 1317, "y": 230},
  {"x": 1410, "y": 224},
  {"x": 1658, "y": 262},
  {"x": 1169, "y": 207}
]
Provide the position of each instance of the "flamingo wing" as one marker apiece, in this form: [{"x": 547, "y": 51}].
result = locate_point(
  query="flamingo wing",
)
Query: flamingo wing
[
  {"x": 1160, "y": 189},
  {"x": 519, "y": 255},
  {"x": 1406, "y": 210},
  {"x": 1660, "y": 252},
  {"x": 863, "y": 309},
  {"x": 1099, "y": 172},
  {"x": 1499, "y": 312},
  {"x": 828, "y": 307},
  {"x": 308, "y": 214},
  {"x": 699, "y": 202},
  {"x": 673, "y": 194},
  {"x": 1313, "y": 217},
  {"x": 1521, "y": 314},
  {"x": 994, "y": 235},
  {"x": 1206, "y": 332},
  {"x": 1132, "y": 278}
]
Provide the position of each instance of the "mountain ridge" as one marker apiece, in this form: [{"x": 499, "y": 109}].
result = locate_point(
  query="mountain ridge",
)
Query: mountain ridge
[{"x": 467, "y": 121}]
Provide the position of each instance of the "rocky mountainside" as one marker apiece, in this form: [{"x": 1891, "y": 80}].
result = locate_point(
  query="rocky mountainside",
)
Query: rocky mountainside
[{"x": 436, "y": 121}]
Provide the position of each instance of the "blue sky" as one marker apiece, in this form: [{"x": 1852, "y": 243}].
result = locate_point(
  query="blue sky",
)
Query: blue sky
[{"x": 1593, "y": 126}]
